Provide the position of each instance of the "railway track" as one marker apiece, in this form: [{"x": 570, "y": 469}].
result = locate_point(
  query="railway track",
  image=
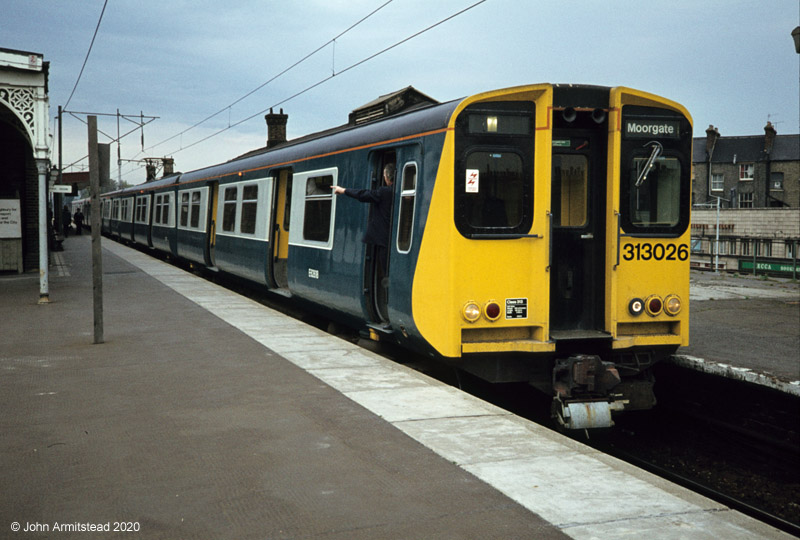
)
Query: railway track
[
  {"x": 711, "y": 492},
  {"x": 730, "y": 441}
]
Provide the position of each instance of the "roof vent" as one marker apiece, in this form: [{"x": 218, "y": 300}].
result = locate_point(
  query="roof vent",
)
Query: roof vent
[{"x": 390, "y": 104}]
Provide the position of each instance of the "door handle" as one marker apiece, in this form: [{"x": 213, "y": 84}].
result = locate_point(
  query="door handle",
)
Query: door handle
[{"x": 587, "y": 236}]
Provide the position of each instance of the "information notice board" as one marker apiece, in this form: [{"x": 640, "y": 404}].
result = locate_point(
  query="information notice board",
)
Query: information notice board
[
  {"x": 10, "y": 219},
  {"x": 10, "y": 235}
]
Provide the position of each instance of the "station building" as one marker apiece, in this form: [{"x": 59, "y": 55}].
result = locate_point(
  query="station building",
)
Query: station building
[
  {"x": 24, "y": 162},
  {"x": 746, "y": 202}
]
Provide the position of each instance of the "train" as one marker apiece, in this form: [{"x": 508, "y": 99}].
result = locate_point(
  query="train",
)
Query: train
[{"x": 538, "y": 233}]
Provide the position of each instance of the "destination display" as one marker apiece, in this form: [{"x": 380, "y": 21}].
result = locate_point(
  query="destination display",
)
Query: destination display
[{"x": 642, "y": 128}]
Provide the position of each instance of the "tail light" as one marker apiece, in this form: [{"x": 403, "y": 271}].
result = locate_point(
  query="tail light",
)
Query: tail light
[
  {"x": 653, "y": 305},
  {"x": 491, "y": 310}
]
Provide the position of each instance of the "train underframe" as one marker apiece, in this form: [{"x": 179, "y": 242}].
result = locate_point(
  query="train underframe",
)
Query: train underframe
[{"x": 589, "y": 385}]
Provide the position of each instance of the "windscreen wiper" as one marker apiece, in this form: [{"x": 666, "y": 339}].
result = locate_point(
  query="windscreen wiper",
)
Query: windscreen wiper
[{"x": 657, "y": 149}]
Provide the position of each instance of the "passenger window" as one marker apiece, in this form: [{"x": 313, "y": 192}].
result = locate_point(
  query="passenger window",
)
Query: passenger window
[
  {"x": 229, "y": 209},
  {"x": 407, "y": 198},
  {"x": 249, "y": 209},
  {"x": 318, "y": 203}
]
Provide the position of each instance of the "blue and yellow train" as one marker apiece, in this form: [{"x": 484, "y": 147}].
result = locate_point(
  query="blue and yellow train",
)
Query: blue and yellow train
[{"x": 539, "y": 233}]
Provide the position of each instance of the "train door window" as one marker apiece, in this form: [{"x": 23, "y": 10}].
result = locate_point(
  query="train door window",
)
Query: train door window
[
  {"x": 157, "y": 206},
  {"x": 249, "y": 209},
  {"x": 570, "y": 188},
  {"x": 194, "y": 222},
  {"x": 313, "y": 205},
  {"x": 407, "y": 198},
  {"x": 229, "y": 209},
  {"x": 107, "y": 209},
  {"x": 184, "y": 221},
  {"x": 287, "y": 214}
]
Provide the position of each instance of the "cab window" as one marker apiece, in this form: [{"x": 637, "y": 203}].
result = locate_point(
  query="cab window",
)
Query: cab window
[
  {"x": 656, "y": 201},
  {"x": 494, "y": 170},
  {"x": 655, "y": 172}
]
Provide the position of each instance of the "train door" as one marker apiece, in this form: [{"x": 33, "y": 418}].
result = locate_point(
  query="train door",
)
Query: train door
[
  {"x": 376, "y": 258},
  {"x": 212, "y": 224},
  {"x": 578, "y": 208},
  {"x": 282, "y": 203}
]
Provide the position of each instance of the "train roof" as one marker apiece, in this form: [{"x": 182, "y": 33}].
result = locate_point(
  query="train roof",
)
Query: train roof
[{"x": 420, "y": 118}]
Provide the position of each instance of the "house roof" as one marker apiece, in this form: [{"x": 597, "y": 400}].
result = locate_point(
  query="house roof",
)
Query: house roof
[{"x": 747, "y": 148}]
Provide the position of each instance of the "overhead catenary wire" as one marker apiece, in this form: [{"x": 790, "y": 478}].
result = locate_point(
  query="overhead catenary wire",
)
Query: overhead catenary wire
[
  {"x": 312, "y": 86},
  {"x": 272, "y": 79},
  {"x": 336, "y": 74},
  {"x": 85, "y": 60}
]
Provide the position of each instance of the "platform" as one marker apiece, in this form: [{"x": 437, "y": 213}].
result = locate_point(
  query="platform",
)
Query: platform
[
  {"x": 207, "y": 415},
  {"x": 745, "y": 328}
]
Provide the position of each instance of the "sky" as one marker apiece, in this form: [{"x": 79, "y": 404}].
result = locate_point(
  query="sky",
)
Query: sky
[{"x": 731, "y": 63}]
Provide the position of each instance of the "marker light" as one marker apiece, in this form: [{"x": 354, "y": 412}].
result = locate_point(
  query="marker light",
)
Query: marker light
[
  {"x": 653, "y": 305},
  {"x": 471, "y": 311},
  {"x": 636, "y": 306},
  {"x": 672, "y": 305},
  {"x": 492, "y": 310}
]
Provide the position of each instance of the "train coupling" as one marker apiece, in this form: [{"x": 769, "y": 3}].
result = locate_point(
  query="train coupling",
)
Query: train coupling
[{"x": 583, "y": 399}]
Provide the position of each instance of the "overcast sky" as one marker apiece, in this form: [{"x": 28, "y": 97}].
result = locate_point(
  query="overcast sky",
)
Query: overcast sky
[{"x": 732, "y": 63}]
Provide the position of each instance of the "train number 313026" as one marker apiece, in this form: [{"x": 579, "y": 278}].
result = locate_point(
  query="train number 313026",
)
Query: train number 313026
[{"x": 657, "y": 252}]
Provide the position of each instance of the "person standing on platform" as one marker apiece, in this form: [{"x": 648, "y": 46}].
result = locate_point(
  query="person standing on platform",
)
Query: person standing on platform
[
  {"x": 78, "y": 217},
  {"x": 378, "y": 228},
  {"x": 66, "y": 219}
]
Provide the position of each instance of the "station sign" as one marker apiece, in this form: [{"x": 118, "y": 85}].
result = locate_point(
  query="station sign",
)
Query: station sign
[{"x": 61, "y": 188}]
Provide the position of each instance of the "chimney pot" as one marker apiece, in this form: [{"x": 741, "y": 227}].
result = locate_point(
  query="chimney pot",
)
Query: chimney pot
[
  {"x": 769, "y": 137},
  {"x": 276, "y": 128},
  {"x": 712, "y": 134}
]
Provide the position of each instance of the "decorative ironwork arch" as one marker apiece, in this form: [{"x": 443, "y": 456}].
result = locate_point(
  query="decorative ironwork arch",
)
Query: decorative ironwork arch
[{"x": 21, "y": 103}]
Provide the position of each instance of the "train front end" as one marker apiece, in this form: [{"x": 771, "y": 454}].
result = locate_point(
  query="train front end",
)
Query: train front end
[{"x": 556, "y": 249}]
